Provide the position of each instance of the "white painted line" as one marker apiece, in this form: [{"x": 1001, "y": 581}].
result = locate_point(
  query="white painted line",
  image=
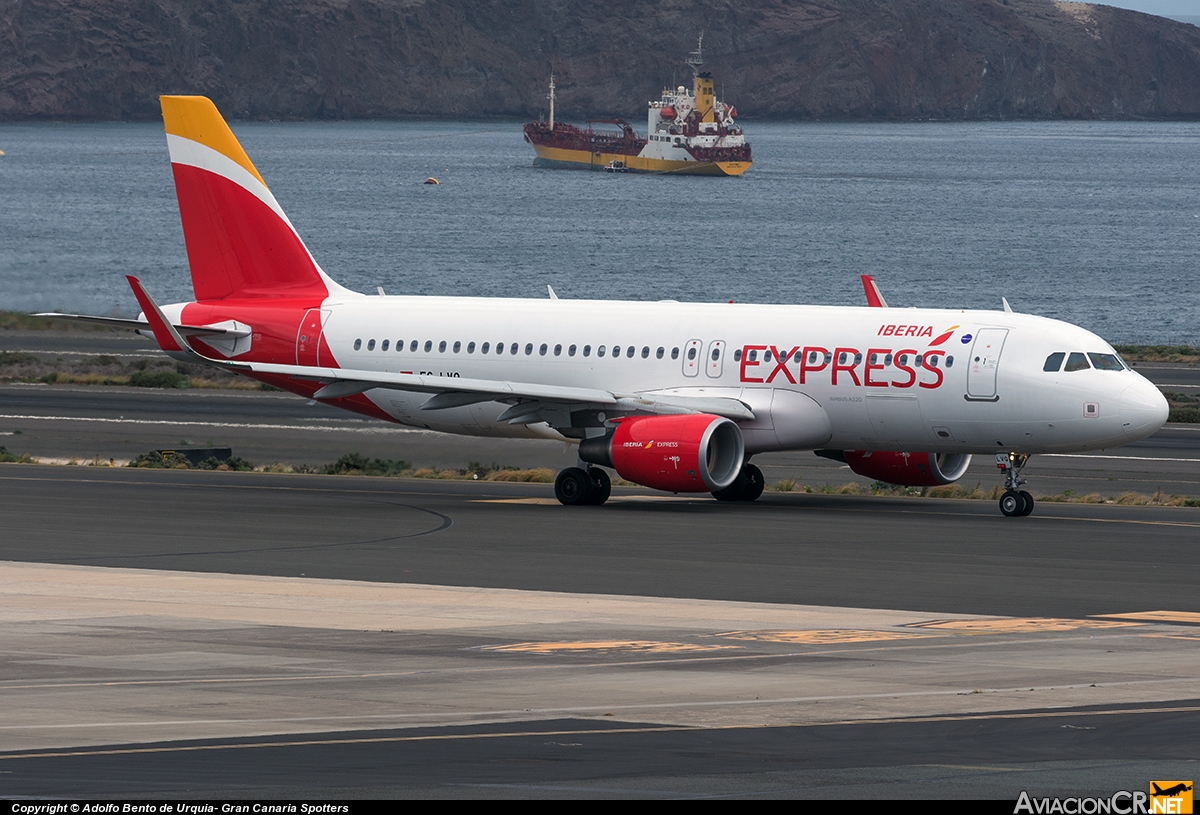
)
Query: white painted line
[
  {"x": 382, "y": 428},
  {"x": 1121, "y": 458}
]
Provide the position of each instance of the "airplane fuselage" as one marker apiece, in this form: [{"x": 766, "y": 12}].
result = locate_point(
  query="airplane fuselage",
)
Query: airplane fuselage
[{"x": 934, "y": 380}]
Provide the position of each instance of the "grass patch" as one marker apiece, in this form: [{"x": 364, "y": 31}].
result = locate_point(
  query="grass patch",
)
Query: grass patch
[
  {"x": 12, "y": 458},
  {"x": 155, "y": 460},
  {"x": 1159, "y": 353},
  {"x": 356, "y": 464}
]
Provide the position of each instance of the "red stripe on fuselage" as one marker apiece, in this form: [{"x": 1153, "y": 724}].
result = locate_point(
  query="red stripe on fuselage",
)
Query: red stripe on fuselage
[{"x": 238, "y": 246}]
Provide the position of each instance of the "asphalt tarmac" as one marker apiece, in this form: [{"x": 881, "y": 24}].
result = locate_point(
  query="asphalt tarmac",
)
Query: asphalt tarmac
[{"x": 171, "y": 634}]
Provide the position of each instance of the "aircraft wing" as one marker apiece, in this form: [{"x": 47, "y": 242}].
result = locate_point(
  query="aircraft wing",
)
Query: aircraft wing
[
  {"x": 136, "y": 325},
  {"x": 531, "y": 402}
]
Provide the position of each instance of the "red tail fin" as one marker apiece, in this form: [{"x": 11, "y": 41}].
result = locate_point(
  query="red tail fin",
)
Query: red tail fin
[{"x": 239, "y": 242}]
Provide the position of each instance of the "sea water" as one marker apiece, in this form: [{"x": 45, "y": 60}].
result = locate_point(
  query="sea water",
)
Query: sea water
[{"x": 1097, "y": 223}]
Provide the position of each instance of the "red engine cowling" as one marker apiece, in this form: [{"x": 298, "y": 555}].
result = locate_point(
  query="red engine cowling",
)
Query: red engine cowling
[
  {"x": 909, "y": 469},
  {"x": 694, "y": 452}
]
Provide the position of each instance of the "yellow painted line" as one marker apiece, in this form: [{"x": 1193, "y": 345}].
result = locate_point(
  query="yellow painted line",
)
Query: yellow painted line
[
  {"x": 821, "y": 636},
  {"x": 1157, "y": 616},
  {"x": 553, "y": 502},
  {"x": 621, "y": 646},
  {"x": 193, "y": 748},
  {"x": 1018, "y": 625}
]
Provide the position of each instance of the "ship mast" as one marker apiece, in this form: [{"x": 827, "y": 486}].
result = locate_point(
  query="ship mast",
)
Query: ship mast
[
  {"x": 551, "y": 98},
  {"x": 696, "y": 58}
]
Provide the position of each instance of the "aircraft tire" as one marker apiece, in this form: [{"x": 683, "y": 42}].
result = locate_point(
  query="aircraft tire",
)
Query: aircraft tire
[
  {"x": 1012, "y": 504},
  {"x": 601, "y": 486},
  {"x": 752, "y": 483},
  {"x": 1028, "y": 508},
  {"x": 573, "y": 487}
]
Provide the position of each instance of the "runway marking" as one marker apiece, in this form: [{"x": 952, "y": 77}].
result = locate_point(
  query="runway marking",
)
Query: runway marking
[
  {"x": 1018, "y": 625},
  {"x": 380, "y": 428},
  {"x": 615, "y": 499},
  {"x": 619, "y": 646},
  {"x": 1121, "y": 458},
  {"x": 431, "y": 737},
  {"x": 831, "y": 636},
  {"x": 1157, "y": 616}
]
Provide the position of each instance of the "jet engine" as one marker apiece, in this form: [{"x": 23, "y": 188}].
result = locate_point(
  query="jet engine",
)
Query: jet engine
[
  {"x": 693, "y": 452},
  {"x": 909, "y": 469}
]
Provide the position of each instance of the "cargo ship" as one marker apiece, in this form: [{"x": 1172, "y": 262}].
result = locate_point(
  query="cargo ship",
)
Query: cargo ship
[{"x": 688, "y": 132}]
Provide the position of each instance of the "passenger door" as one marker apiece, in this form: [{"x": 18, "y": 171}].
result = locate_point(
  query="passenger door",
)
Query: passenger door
[{"x": 984, "y": 364}]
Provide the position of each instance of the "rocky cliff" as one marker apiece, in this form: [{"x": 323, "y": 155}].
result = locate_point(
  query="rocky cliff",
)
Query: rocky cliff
[{"x": 844, "y": 59}]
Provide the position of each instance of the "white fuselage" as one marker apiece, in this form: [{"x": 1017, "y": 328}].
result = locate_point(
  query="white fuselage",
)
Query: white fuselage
[{"x": 854, "y": 378}]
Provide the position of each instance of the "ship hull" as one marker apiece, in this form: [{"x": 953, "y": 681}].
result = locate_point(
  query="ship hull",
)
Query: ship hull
[{"x": 564, "y": 158}]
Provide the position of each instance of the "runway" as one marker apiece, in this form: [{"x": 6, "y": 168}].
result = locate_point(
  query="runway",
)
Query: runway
[
  {"x": 174, "y": 634},
  {"x": 190, "y": 634}
]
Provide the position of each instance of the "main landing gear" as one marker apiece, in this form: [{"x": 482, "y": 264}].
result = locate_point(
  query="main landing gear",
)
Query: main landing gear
[
  {"x": 746, "y": 487},
  {"x": 579, "y": 486},
  {"x": 1015, "y": 503}
]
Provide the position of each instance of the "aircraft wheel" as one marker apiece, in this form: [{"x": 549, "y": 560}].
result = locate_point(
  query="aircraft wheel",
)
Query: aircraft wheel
[
  {"x": 573, "y": 487},
  {"x": 1028, "y": 508},
  {"x": 1012, "y": 504},
  {"x": 752, "y": 483},
  {"x": 601, "y": 486}
]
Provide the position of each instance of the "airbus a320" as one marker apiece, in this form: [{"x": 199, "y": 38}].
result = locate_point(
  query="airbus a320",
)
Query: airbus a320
[{"x": 673, "y": 396}]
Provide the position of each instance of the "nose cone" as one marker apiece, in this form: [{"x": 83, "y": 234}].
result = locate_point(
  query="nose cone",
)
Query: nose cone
[{"x": 1143, "y": 410}]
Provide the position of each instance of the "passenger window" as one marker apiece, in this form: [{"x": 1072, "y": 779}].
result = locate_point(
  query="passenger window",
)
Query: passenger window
[
  {"x": 428, "y": 346},
  {"x": 558, "y": 350},
  {"x": 457, "y": 346},
  {"x": 483, "y": 349},
  {"x": 357, "y": 344},
  {"x": 917, "y": 360},
  {"x": 902, "y": 359},
  {"x": 828, "y": 357},
  {"x": 471, "y": 348},
  {"x": 370, "y": 345},
  {"x": 399, "y": 346},
  {"x": 442, "y": 347},
  {"x": 528, "y": 348},
  {"x": 659, "y": 353},
  {"x": 842, "y": 358},
  {"x": 933, "y": 361},
  {"x": 752, "y": 355},
  {"x": 1054, "y": 361},
  {"x": 413, "y": 346},
  {"x": 674, "y": 353},
  {"x": 512, "y": 349},
  {"x": 542, "y": 350},
  {"x": 737, "y": 355},
  {"x": 716, "y": 354},
  {"x": 858, "y": 359},
  {"x": 499, "y": 348},
  {"x": 812, "y": 357},
  {"x": 1077, "y": 362},
  {"x": 691, "y": 353},
  {"x": 949, "y": 362},
  {"x": 571, "y": 351},
  {"x": 1106, "y": 362},
  {"x": 872, "y": 358},
  {"x": 887, "y": 360},
  {"x": 587, "y": 350},
  {"x": 646, "y": 352},
  {"x": 383, "y": 346},
  {"x": 766, "y": 356},
  {"x": 600, "y": 351},
  {"x": 630, "y": 351}
]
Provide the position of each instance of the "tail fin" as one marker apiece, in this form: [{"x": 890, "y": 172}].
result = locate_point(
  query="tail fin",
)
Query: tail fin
[{"x": 239, "y": 242}]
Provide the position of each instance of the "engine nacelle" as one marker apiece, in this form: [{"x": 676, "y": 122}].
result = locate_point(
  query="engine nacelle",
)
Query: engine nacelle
[
  {"x": 909, "y": 469},
  {"x": 694, "y": 452}
]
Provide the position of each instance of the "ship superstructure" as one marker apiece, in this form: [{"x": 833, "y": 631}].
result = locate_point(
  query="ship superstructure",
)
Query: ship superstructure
[{"x": 687, "y": 131}]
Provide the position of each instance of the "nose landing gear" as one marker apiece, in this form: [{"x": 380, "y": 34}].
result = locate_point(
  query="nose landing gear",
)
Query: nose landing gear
[{"x": 1015, "y": 503}]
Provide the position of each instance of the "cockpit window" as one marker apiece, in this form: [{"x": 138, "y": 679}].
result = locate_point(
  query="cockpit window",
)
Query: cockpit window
[
  {"x": 1106, "y": 362},
  {"x": 1077, "y": 362},
  {"x": 1054, "y": 361}
]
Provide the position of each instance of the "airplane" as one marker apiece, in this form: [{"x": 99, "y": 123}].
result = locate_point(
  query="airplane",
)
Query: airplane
[
  {"x": 1170, "y": 792},
  {"x": 674, "y": 396}
]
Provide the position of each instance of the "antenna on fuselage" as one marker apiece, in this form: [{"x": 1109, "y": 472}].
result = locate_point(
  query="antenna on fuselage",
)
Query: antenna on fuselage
[{"x": 1007, "y": 307}]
